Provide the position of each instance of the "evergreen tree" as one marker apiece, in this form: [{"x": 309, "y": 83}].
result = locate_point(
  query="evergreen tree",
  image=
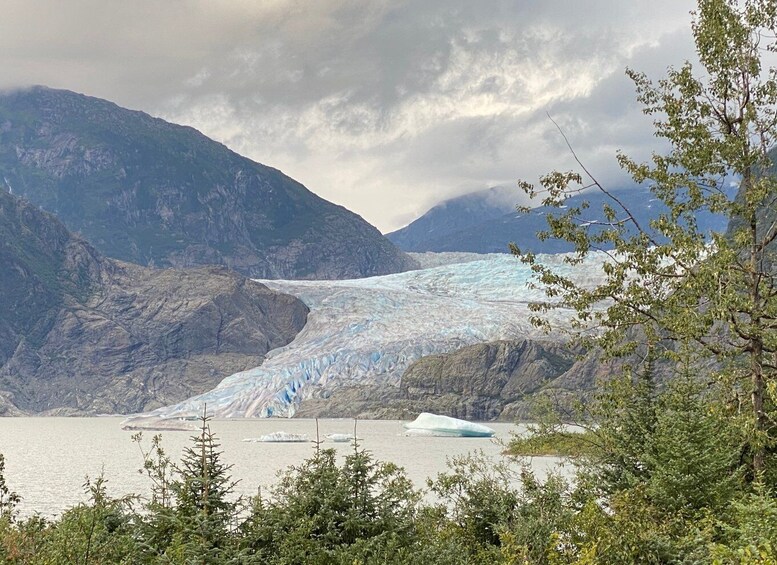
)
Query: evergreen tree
[
  {"x": 362, "y": 511},
  {"x": 100, "y": 532},
  {"x": 192, "y": 514}
]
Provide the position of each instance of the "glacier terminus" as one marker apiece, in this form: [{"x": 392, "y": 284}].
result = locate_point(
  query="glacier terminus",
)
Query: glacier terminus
[{"x": 370, "y": 330}]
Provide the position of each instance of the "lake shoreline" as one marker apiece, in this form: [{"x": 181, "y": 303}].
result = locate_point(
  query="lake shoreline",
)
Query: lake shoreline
[{"x": 48, "y": 457}]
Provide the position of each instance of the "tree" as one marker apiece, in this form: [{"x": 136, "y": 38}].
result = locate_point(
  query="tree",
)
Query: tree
[
  {"x": 362, "y": 511},
  {"x": 192, "y": 514},
  {"x": 98, "y": 532},
  {"x": 669, "y": 280},
  {"x": 8, "y": 498}
]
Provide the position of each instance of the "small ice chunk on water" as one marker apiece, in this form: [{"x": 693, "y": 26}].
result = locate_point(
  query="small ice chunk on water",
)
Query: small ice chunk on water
[
  {"x": 427, "y": 424},
  {"x": 279, "y": 437},
  {"x": 340, "y": 438},
  {"x": 158, "y": 424}
]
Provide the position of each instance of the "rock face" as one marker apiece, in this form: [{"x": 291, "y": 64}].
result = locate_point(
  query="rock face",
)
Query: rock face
[
  {"x": 484, "y": 381},
  {"x": 154, "y": 193},
  {"x": 80, "y": 333}
]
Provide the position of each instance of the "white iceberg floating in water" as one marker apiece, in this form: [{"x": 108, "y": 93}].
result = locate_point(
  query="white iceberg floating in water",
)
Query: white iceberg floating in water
[
  {"x": 158, "y": 424},
  {"x": 435, "y": 425},
  {"x": 279, "y": 437},
  {"x": 340, "y": 438}
]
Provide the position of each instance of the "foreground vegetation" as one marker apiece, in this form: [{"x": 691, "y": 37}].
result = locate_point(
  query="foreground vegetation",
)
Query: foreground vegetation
[
  {"x": 666, "y": 484},
  {"x": 553, "y": 443}
]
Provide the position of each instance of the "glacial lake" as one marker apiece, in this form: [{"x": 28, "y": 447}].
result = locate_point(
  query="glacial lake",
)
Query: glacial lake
[{"x": 47, "y": 459}]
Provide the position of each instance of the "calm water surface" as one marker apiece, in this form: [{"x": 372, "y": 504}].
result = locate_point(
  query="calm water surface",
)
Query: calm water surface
[{"x": 47, "y": 459}]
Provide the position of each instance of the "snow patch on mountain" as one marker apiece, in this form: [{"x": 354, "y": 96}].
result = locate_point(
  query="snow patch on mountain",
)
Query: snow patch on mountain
[{"x": 370, "y": 330}]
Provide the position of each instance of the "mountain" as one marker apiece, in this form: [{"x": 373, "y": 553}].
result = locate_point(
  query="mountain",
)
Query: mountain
[
  {"x": 80, "y": 333},
  {"x": 153, "y": 193},
  {"x": 431, "y": 230},
  {"x": 363, "y": 334},
  {"x": 476, "y": 223}
]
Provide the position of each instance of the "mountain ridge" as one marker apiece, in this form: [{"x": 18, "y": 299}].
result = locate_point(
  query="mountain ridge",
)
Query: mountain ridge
[
  {"x": 454, "y": 214},
  {"x": 490, "y": 231},
  {"x": 146, "y": 191}
]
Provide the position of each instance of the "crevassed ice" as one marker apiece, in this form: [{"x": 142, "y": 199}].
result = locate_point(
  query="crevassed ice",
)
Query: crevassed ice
[{"x": 369, "y": 331}]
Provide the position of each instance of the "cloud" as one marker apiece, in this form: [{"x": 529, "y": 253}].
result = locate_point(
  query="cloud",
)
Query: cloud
[{"x": 386, "y": 107}]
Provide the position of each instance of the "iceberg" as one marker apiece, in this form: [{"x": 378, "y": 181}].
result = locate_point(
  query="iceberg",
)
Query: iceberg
[
  {"x": 159, "y": 425},
  {"x": 279, "y": 437},
  {"x": 340, "y": 438},
  {"x": 368, "y": 331},
  {"x": 427, "y": 424}
]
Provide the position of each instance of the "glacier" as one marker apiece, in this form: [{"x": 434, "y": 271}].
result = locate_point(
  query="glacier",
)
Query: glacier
[{"x": 368, "y": 331}]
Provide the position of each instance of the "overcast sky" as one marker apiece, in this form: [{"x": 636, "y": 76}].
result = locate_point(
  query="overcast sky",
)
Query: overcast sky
[{"x": 386, "y": 107}]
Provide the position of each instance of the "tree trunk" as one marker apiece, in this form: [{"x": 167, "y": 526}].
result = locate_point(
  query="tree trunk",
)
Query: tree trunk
[
  {"x": 759, "y": 391},
  {"x": 756, "y": 345}
]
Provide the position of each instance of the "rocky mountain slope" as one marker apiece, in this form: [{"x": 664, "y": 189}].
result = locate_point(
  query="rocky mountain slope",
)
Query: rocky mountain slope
[
  {"x": 80, "y": 333},
  {"x": 506, "y": 380},
  {"x": 154, "y": 193},
  {"x": 486, "y": 222},
  {"x": 483, "y": 381}
]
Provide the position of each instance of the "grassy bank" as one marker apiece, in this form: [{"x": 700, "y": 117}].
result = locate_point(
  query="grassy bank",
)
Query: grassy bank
[{"x": 554, "y": 444}]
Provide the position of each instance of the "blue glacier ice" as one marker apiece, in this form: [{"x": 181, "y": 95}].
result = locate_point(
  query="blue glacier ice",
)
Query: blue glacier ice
[{"x": 369, "y": 331}]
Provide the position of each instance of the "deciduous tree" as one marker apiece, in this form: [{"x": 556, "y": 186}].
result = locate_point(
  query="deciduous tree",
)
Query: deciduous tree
[{"x": 669, "y": 279}]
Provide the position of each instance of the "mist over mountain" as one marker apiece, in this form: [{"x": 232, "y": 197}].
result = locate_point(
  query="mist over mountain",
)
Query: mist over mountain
[
  {"x": 84, "y": 334},
  {"x": 486, "y": 221},
  {"x": 430, "y": 231},
  {"x": 154, "y": 193}
]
